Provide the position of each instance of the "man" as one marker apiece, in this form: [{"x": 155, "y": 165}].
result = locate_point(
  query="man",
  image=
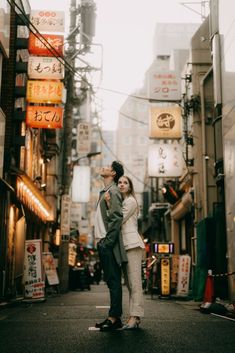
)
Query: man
[{"x": 112, "y": 255}]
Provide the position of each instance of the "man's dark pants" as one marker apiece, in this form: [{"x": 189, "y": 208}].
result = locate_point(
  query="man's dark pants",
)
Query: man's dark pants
[{"x": 112, "y": 276}]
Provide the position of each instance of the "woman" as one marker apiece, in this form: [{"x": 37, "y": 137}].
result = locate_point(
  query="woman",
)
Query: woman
[{"x": 134, "y": 249}]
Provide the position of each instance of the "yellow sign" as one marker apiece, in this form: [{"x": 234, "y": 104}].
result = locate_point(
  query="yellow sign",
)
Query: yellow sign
[
  {"x": 44, "y": 91},
  {"x": 165, "y": 122},
  {"x": 165, "y": 276}
]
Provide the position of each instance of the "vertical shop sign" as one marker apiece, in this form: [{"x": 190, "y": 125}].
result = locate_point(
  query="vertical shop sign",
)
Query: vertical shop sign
[
  {"x": 65, "y": 215},
  {"x": 165, "y": 276},
  {"x": 33, "y": 275},
  {"x": 83, "y": 138},
  {"x": 183, "y": 276}
]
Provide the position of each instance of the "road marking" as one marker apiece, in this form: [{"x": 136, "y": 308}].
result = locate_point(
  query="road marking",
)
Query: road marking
[
  {"x": 92, "y": 328},
  {"x": 102, "y": 306},
  {"x": 223, "y": 317}
]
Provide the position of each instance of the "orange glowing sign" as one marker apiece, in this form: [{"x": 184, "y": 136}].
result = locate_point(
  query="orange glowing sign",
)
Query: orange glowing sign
[
  {"x": 44, "y": 91},
  {"x": 41, "y": 117},
  {"x": 46, "y": 44}
]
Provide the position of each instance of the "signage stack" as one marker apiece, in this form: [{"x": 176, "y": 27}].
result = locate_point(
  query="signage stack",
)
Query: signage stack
[{"x": 45, "y": 70}]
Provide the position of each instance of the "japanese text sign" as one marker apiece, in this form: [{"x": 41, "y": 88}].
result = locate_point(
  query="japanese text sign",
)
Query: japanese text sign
[
  {"x": 48, "y": 21},
  {"x": 44, "y": 117},
  {"x": 46, "y": 45},
  {"x": 45, "y": 68},
  {"x": 83, "y": 138},
  {"x": 164, "y": 86},
  {"x": 44, "y": 91},
  {"x": 165, "y": 160}
]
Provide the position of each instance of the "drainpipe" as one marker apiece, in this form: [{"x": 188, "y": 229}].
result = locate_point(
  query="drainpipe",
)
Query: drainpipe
[{"x": 204, "y": 155}]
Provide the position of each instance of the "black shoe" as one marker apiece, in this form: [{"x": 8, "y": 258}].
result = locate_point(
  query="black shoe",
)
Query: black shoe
[
  {"x": 100, "y": 324},
  {"x": 111, "y": 326}
]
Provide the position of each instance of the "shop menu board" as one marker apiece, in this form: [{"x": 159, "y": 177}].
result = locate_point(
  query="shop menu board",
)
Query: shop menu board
[{"x": 50, "y": 268}]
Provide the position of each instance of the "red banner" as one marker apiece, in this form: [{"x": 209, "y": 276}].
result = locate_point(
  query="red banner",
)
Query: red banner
[
  {"x": 46, "y": 44},
  {"x": 44, "y": 117}
]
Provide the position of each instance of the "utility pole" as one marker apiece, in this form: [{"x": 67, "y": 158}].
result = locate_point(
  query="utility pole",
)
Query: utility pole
[{"x": 67, "y": 145}]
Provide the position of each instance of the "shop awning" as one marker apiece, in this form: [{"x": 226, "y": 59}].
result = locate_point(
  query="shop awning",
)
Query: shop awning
[
  {"x": 32, "y": 198},
  {"x": 182, "y": 207}
]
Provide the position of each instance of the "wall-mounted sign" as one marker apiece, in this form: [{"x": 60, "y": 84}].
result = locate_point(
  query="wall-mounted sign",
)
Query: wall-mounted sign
[
  {"x": 164, "y": 86},
  {"x": 45, "y": 68},
  {"x": 165, "y": 123},
  {"x": 83, "y": 138},
  {"x": 46, "y": 44},
  {"x": 47, "y": 21},
  {"x": 65, "y": 215},
  {"x": 81, "y": 183},
  {"x": 44, "y": 92},
  {"x": 41, "y": 117},
  {"x": 165, "y": 160}
]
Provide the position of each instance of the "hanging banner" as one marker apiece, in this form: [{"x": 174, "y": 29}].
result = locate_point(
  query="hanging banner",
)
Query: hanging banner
[
  {"x": 45, "y": 68},
  {"x": 165, "y": 123},
  {"x": 34, "y": 286},
  {"x": 183, "y": 276},
  {"x": 165, "y": 160},
  {"x": 48, "y": 21},
  {"x": 50, "y": 268},
  {"x": 46, "y": 44},
  {"x": 44, "y": 92},
  {"x": 41, "y": 117},
  {"x": 164, "y": 86}
]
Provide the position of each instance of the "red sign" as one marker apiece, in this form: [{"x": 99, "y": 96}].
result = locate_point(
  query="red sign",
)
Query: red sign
[
  {"x": 41, "y": 117},
  {"x": 46, "y": 44}
]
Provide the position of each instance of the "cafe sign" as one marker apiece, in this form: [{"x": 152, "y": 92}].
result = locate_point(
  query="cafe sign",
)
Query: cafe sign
[
  {"x": 44, "y": 91},
  {"x": 165, "y": 122},
  {"x": 45, "y": 68},
  {"x": 46, "y": 44},
  {"x": 44, "y": 117}
]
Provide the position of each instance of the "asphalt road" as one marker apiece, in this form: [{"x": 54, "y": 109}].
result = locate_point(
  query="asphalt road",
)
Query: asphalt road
[{"x": 63, "y": 324}]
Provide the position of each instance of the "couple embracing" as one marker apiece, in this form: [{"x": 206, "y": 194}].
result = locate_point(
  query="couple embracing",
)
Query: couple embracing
[{"x": 119, "y": 246}]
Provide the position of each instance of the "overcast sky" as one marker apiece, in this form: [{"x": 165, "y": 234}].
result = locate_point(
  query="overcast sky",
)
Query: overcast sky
[{"x": 125, "y": 28}]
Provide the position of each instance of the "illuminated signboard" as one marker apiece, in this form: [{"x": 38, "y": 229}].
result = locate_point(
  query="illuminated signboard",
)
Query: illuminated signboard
[
  {"x": 165, "y": 160},
  {"x": 45, "y": 68},
  {"x": 44, "y": 91},
  {"x": 163, "y": 248},
  {"x": 44, "y": 117},
  {"x": 48, "y": 21},
  {"x": 46, "y": 44},
  {"x": 165, "y": 122}
]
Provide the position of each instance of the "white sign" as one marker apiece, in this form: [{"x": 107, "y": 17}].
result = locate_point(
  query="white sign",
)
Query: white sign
[
  {"x": 183, "y": 275},
  {"x": 43, "y": 67},
  {"x": 83, "y": 138},
  {"x": 81, "y": 183},
  {"x": 164, "y": 86},
  {"x": 33, "y": 276},
  {"x": 65, "y": 215},
  {"x": 50, "y": 268},
  {"x": 48, "y": 20},
  {"x": 165, "y": 160}
]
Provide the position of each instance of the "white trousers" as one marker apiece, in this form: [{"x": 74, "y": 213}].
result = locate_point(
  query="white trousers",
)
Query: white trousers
[{"x": 133, "y": 279}]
